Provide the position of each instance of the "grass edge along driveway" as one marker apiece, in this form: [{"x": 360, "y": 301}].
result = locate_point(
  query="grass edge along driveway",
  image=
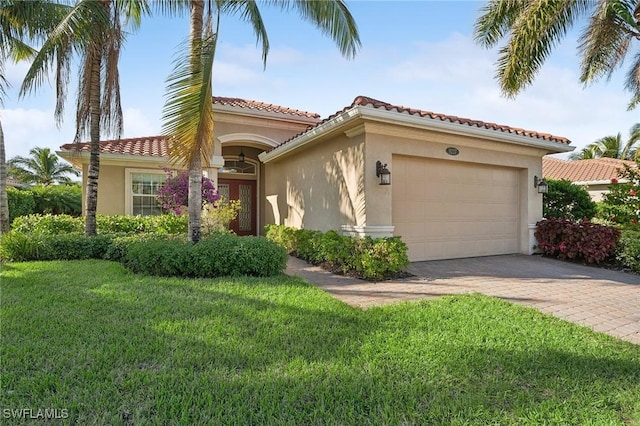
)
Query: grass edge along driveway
[{"x": 111, "y": 347}]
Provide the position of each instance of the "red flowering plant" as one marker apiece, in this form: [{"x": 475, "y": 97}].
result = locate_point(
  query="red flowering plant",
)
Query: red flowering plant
[
  {"x": 622, "y": 203},
  {"x": 173, "y": 195}
]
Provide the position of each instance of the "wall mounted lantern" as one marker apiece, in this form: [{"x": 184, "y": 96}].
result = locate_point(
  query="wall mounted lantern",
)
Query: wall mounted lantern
[
  {"x": 241, "y": 156},
  {"x": 383, "y": 173},
  {"x": 541, "y": 184}
]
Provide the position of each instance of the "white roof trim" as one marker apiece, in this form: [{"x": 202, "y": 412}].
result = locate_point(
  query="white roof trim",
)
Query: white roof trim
[
  {"x": 84, "y": 155},
  {"x": 244, "y": 137},
  {"x": 394, "y": 117},
  {"x": 598, "y": 182}
]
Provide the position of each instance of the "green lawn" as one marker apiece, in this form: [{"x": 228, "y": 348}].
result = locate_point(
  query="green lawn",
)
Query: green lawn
[{"x": 113, "y": 348}]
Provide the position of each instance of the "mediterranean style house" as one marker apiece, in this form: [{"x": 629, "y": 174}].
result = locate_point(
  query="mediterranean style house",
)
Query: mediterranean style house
[{"x": 450, "y": 187}]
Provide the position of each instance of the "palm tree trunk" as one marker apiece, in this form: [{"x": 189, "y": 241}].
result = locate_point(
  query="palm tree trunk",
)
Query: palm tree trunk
[
  {"x": 94, "y": 159},
  {"x": 195, "y": 165},
  {"x": 4, "y": 202}
]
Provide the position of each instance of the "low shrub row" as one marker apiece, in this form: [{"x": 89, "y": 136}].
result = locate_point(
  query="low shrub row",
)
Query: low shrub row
[
  {"x": 153, "y": 254},
  {"x": 371, "y": 259},
  {"x": 582, "y": 240},
  {"x": 113, "y": 224}
]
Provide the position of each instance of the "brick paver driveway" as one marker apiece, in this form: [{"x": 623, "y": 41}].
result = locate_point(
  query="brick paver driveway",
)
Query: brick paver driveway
[{"x": 604, "y": 300}]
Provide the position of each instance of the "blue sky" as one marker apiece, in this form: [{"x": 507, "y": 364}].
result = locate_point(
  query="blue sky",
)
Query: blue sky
[{"x": 418, "y": 54}]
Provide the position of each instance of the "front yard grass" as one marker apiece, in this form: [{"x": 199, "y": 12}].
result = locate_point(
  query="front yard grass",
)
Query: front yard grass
[{"x": 112, "y": 347}]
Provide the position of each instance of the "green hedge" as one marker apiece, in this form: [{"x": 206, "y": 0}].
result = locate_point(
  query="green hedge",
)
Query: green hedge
[
  {"x": 362, "y": 257},
  {"x": 57, "y": 199},
  {"x": 153, "y": 254},
  {"x": 21, "y": 203},
  {"x": 218, "y": 255},
  {"x": 628, "y": 252},
  {"x": 112, "y": 224}
]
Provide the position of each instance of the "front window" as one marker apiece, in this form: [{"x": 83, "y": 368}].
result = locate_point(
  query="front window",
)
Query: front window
[{"x": 144, "y": 188}]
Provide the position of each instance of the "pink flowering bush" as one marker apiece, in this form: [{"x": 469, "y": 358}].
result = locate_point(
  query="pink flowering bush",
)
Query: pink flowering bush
[{"x": 173, "y": 195}]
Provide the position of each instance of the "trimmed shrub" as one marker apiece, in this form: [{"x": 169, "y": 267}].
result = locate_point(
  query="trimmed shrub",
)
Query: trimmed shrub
[
  {"x": 128, "y": 224},
  {"x": 107, "y": 224},
  {"x": 19, "y": 247},
  {"x": 21, "y": 203},
  {"x": 58, "y": 199},
  {"x": 362, "y": 257},
  {"x": 213, "y": 256},
  {"x": 48, "y": 224},
  {"x": 628, "y": 253},
  {"x": 567, "y": 200},
  {"x": 583, "y": 240}
]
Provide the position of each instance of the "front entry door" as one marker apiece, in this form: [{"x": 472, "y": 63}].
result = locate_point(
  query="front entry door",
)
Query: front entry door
[{"x": 245, "y": 191}]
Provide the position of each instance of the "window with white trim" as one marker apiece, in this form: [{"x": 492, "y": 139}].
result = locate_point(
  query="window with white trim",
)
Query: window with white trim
[{"x": 143, "y": 189}]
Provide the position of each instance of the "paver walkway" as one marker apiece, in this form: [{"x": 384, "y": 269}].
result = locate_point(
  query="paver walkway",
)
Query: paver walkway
[{"x": 604, "y": 300}]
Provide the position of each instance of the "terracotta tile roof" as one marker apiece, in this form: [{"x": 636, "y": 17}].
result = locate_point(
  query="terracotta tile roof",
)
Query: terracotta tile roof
[
  {"x": 363, "y": 100},
  {"x": 593, "y": 170},
  {"x": 261, "y": 106},
  {"x": 367, "y": 101},
  {"x": 152, "y": 146}
]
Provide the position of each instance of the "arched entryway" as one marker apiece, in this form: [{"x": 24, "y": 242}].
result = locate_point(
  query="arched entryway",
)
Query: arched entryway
[{"x": 238, "y": 180}]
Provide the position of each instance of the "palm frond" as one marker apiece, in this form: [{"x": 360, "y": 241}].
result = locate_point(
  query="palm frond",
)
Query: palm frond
[
  {"x": 249, "y": 12},
  {"x": 632, "y": 83},
  {"x": 535, "y": 32},
  {"x": 188, "y": 110},
  {"x": 605, "y": 41},
  {"x": 498, "y": 16}
]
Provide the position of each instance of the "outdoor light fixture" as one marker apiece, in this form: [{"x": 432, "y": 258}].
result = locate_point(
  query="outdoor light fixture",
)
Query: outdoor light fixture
[
  {"x": 241, "y": 156},
  {"x": 383, "y": 173},
  {"x": 541, "y": 184}
]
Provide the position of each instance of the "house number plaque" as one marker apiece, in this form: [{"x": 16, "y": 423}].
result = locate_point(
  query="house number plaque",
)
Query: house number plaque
[{"x": 452, "y": 151}]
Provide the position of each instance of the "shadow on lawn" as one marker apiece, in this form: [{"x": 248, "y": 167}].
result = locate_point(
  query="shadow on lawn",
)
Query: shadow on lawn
[{"x": 281, "y": 351}]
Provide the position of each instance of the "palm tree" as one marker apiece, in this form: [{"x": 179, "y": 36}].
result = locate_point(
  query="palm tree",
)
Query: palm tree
[
  {"x": 92, "y": 29},
  {"x": 188, "y": 112},
  {"x": 18, "y": 21},
  {"x": 612, "y": 147},
  {"x": 534, "y": 28},
  {"x": 41, "y": 167}
]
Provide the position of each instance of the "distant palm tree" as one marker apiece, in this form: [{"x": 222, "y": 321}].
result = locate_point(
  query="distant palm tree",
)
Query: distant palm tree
[
  {"x": 612, "y": 147},
  {"x": 534, "y": 28},
  {"x": 42, "y": 167},
  {"x": 188, "y": 112}
]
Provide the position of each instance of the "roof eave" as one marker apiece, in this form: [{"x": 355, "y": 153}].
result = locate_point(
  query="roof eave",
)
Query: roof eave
[
  {"x": 76, "y": 157},
  {"x": 264, "y": 114},
  {"x": 394, "y": 117}
]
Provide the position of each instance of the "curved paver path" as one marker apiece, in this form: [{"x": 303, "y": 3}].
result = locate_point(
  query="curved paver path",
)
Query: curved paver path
[{"x": 604, "y": 300}]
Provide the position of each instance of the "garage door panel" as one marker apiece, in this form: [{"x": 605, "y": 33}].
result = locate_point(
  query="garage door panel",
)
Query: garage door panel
[{"x": 453, "y": 209}]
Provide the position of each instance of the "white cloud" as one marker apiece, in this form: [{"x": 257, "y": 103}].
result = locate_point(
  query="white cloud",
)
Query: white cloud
[
  {"x": 136, "y": 124},
  {"x": 25, "y": 129}
]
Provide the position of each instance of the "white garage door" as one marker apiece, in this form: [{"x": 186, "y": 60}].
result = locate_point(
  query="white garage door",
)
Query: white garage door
[{"x": 446, "y": 209}]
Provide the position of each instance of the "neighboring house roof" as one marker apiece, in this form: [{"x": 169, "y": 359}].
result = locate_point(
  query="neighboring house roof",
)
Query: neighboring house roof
[
  {"x": 596, "y": 170},
  {"x": 15, "y": 183},
  {"x": 261, "y": 106}
]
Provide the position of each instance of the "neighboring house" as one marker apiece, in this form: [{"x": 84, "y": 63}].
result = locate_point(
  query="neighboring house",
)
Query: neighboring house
[
  {"x": 594, "y": 174},
  {"x": 459, "y": 187}
]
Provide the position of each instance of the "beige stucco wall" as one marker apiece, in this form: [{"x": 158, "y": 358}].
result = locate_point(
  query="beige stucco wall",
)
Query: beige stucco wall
[
  {"x": 597, "y": 191},
  {"x": 111, "y": 184},
  {"x": 319, "y": 188},
  {"x": 385, "y": 140}
]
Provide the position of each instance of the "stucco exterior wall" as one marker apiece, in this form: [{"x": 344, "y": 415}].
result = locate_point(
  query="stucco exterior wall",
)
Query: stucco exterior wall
[
  {"x": 111, "y": 185},
  {"x": 385, "y": 140},
  {"x": 319, "y": 188}
]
